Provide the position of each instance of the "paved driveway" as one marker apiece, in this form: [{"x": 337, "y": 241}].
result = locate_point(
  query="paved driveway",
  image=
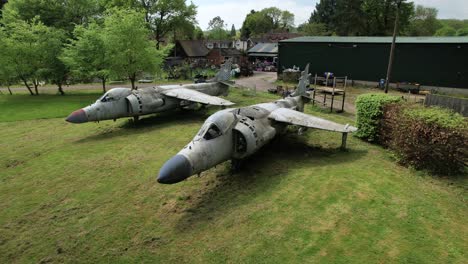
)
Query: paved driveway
[{"x": 262, "y": 81}]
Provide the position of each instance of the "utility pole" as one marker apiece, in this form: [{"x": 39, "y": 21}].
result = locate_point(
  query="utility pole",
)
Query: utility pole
[{"x": 392, "y": 49}]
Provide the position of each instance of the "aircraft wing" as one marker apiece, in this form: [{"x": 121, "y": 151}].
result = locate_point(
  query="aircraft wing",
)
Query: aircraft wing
[
  {"x": 292, "y": 117},
  {"x": 194, "y": 96}
]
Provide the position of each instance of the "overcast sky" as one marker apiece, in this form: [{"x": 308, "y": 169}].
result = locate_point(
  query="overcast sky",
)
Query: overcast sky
[{"x": 234, "y": 11}]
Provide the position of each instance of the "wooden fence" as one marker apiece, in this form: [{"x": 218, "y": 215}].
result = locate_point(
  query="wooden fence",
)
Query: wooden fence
[{"x": 459, "y": 105}]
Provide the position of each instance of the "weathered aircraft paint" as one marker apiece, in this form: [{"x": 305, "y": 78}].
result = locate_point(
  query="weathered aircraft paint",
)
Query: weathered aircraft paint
[
  {"x": 124, "y": 102},
  {"x": 234, "y": 134}
]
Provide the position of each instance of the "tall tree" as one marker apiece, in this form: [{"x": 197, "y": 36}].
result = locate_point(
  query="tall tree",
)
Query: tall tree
[
  {"x": 233, "y": 32},
  {"x": 446, "y": 31},
  {"x": 424, "y": 22},
  {"x": 164, "y": 16},
  {"x": 256, "y": 23},
  {"x": 127, "y": 46},
  {"x": 313, "y": 29},
  {"x": 7, "y": 72},
  {"x": 32, "y": 48},
  {"x": 63, "y": 14},
  {"x": 379, "y": 16},
  {"x": 353, "y": 25},
  {"x": 86, "y": 56},
  {"x": 325, "y": 13},
  {"x": 274, "y": 14},
  {"x": 287, "y": 20},
  {"x": 216, "y": 28},
  {"x": 462, "y": 32}
]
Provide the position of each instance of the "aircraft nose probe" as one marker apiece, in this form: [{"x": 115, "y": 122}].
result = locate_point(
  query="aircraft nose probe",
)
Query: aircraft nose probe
[
  {"x": 79, "y": 116},
  {"x": 176, "y": 169}
]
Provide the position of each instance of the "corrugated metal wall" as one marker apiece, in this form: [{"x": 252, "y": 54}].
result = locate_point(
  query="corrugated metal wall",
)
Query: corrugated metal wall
[{"x": 444, "y": 65}]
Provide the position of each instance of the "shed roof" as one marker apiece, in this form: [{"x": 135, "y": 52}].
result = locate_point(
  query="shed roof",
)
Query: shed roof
[
  {"x": 194, "y": 48},
  {"x": 264, "y": 48},
  {"x": 407, "y": 40}
]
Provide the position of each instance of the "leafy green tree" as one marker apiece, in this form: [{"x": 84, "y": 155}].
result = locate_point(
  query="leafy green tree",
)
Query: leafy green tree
[
  {"x": 362, "y": 17},
  {"x": 446, "y": 31},
  {"x": 325, "y": 13},
  {"x": 424, "y": 22},
  {"x": 256, "y": 23},
  {"x": 63, "y": 14},
  {"x": 128, "y": 49},
  {"x": 313, "y": 29},
  {"x": 198, "y": 33},
  {"x": 164, "y": 16},
  {"x": 353, "y": 25},
  {"x": 32, "y": 48},
  {"x": 454, "y": 23},
  {"x": 233, "y": 32},
  {"x": 274, "y": 14},
  {"x": 379, "y": 16},
  {"x": 287, "y": 20},
  {"x": 7, "y": 72},
  {"x": 216, "y": 29},
  {"x": 86, "y": 56},
  {"x": 462, "y": 32}
]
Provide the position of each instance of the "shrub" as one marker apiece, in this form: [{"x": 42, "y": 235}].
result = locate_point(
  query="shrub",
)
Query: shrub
[
  {"x": 369, "y": 113},
  {"x": 428, "y": 138}
]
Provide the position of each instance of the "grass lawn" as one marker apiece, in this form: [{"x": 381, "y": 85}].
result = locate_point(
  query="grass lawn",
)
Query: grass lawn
[{"x": 87, "y": 193}]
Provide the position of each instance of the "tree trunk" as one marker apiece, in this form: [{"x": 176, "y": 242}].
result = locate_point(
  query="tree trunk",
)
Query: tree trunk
[
  {"x": 9, "y": 90},
  {"x": 60, "y": 88},
  {"x": 103, "y": 80},
  {"x": 132, "y": 80},
  {"x": 36, "y": 84},
  {"x": 27, "y": 86}
]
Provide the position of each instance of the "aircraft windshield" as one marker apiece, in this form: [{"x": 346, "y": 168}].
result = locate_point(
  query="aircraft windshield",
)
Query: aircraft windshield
[
  {"x": 106, "y": 98},
  {"x": 212, "y": 132}
]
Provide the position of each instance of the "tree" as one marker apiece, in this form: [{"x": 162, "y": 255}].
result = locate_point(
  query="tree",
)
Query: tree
[
  {"x": 313, "y": 29},
  {"x": 424, "y": 22},
  {"x": 216, "y": 29},
  {"x": 462, "y": 32},
  {"x": 256, "y": 23},
  {"x": 163, "y": 16},
  {"x": 32, "y": 49},
  {"x": 325, "y": 13},
  {"x": 446, "y": 31},
  {"x": 233, "y": 32},
  {"x": 287, "y": 20},
  {"x": 86, "y": 56},
  {"x": 198, "y": 33},
  {"x": 62, "y": 14},
  {"x": 353, "y": 25},
  {"x": 7, "y": 73},
  {"x": 274, "y": 14},
  {"x": 127, "y": 46},
  {"x": 379, "y": 16},
  {"x": 361, "y": 17}
]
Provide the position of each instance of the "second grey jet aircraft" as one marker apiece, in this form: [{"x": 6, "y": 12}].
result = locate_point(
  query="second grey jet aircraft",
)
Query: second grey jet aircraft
[{"x": 124, "y": 102}]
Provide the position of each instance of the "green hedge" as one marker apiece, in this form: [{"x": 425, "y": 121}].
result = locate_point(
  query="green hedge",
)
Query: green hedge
[
  {"x": 369, "y": 113},
  {"x": 428, "y": 138}
]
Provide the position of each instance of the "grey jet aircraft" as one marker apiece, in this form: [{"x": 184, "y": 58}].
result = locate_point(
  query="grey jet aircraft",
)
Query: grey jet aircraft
[
  {"x": 234, "y": 134},
  {"x": 124, "y": 102}
]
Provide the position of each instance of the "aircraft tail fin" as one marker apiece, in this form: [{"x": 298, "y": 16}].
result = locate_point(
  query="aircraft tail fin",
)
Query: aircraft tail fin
[
  {"x": 224, "y": 73},
  {"x": 303, "y": 82}
]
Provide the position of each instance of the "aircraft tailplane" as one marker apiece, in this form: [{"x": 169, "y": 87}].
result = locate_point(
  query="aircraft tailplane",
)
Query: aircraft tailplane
[
  {"x": 303, "y": 82},
  {"x": 224, "y": 73}
]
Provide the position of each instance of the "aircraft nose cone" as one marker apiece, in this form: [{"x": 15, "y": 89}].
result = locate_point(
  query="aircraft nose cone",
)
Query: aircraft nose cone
[
  {"x": 79, "y": 116},
  {"x": 176, "y": 169}
]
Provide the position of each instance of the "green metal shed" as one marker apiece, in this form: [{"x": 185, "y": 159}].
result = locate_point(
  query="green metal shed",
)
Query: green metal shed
[{"x": 432, "y": 61}]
